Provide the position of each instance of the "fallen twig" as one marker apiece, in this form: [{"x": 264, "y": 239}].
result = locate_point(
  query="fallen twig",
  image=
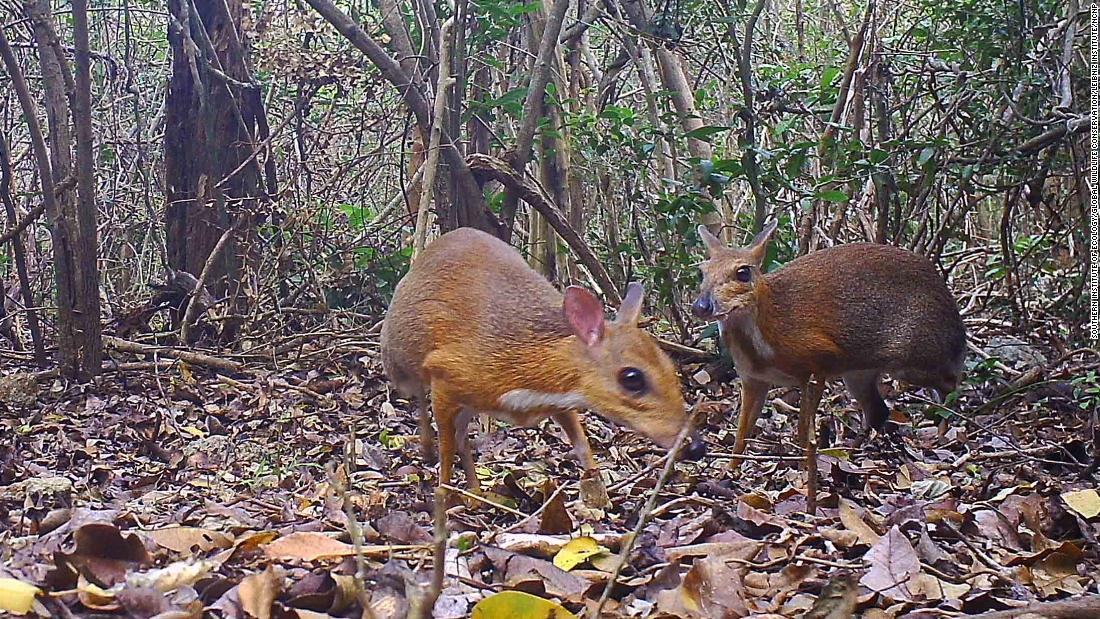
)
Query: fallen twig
[
  {"x": 187, "y": 356},
  {"x": 1087, "y": 607}
]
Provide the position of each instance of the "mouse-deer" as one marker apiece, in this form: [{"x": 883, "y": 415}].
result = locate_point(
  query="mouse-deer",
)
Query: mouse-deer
[
  {"x": 852, "y": 311},
  {"x": 480, "y": 330}
]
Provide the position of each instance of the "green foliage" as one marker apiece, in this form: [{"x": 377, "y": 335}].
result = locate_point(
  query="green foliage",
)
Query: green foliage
[
  {"x": 1086, "y": 390},
  {"x": 497, "y": 18},
  {"x": 358, "y": 215}
]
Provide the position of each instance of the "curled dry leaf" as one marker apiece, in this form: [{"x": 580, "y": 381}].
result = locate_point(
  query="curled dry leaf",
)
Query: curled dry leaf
[
  {"x": 555, "y": 518},
  {"x": 258, "y": 591},
  {"x": 245, "y": 545},
  {"x": 95, "y": 597},
  {"x": 101, "y": 554},
  {"x": 171, "y": 577},
  {"x": 711, "y": 590},
  {"x": 852, "y": 521},
  {"x": 548, "y": 545}
]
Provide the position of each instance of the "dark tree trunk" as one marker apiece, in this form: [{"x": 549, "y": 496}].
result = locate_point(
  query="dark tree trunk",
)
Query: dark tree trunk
[
  {"x": 86, "y": 276},
  {"x": 211, "y": 115}
]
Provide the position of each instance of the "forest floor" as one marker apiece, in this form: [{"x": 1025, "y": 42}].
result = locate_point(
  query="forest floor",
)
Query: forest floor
[{"x": 180, "y": 489}]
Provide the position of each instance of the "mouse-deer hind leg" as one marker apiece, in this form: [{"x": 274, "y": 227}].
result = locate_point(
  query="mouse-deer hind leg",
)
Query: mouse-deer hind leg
[{"x": 807, "y": 425}]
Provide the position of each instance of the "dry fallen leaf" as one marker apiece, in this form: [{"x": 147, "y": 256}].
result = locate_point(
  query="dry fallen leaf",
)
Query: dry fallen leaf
[
  {"x": 308, "y": 546},
  {"x": 1085, "y": 502},
  {"x": 16, "y": 596},
  {"x": 101, "y": 554},
  {"x": 258, "y": 592},
  {"x": 189, "y": 539},
  {"x": 852, "y": 521},
  {"x": 400, "y": 527},
  {"x": 547, "y": 545},
  {"x": 95, "y": 597},
  {"x": 171, "y": 577},
  {"x": 743, "y": 550},
  {"x": 893, "y": 562},
  {"x": 710, "y": 589},
  {"x": 555, "y": 518}
]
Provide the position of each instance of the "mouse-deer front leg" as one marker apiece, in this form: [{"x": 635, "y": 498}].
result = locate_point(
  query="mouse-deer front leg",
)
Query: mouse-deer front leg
[
  {"x": 753, "y": 393},
  {"x": 593, "y": 491}
]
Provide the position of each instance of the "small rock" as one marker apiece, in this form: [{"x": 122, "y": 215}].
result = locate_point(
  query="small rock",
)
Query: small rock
[
  {"x": 19, "y": 389},
  {"x": 1015, "y": 353}
]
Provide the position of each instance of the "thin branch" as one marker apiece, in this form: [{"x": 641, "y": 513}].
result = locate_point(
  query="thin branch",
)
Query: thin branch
[
  {"x": 643, "y": 517},
  {"x": 427, "y": 188},
  {"x": 534, "y": 194}
]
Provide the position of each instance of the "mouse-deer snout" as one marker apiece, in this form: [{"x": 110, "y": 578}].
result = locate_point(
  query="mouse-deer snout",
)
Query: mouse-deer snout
[{"x": 703, "y": 307}]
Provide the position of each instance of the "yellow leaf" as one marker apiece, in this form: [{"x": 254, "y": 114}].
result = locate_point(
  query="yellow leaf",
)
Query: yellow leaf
[
  {"x": 518, "y": 605},
  {"x": 852, "y": 521},
  {"x": 16, "y": 596},
  {"x": 95, "y": 597},
  {"x": 839, "y": 453},
  {"x": 193, "y": 431},
  {"x": 1084, "y": 502},
  {"x": 577, "y": 551}
]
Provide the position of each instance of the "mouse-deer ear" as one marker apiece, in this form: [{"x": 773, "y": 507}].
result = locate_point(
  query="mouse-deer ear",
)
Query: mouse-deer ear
[
  {"x": 759, "y": 246},
  {"x": 631, "y": 308},
  {"x": 713, "y": 243},
  {"x": 584, "y": 313}
]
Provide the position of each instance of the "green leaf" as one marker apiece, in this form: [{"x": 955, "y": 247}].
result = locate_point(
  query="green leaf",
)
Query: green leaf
[
  {"x": 832, "y": 195},
  {"x": 706, "y": 132},
  {"x": 877, "y": 156}
]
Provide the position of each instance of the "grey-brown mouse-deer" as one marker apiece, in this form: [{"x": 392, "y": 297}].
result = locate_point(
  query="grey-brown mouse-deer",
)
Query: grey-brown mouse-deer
[
  {"x": 485, "y": 334},
  {"x": 852, "y": 311}
]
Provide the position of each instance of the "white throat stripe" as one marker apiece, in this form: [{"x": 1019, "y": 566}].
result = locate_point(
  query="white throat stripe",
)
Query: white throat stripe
[{"x": 527, "y": 399}]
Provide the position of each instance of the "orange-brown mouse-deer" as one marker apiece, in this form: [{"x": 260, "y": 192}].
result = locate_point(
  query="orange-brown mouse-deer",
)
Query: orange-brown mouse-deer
[
  {"x": 486, "y": 334},
  {"x": 852, "y": 311}
]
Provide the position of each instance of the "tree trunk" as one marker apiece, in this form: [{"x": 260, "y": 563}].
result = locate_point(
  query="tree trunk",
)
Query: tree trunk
[
  {"x": 19, "y": 251},
  {"x": 78, "y": 332},
  {"x": 86, "y": 277},
  {"x": 211, "y": 176}
]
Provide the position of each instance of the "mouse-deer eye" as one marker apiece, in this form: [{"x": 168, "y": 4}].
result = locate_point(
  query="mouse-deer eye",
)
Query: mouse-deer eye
[
  {"x": 633, "y": 381},
  {"x": 744, "y": 274}
]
